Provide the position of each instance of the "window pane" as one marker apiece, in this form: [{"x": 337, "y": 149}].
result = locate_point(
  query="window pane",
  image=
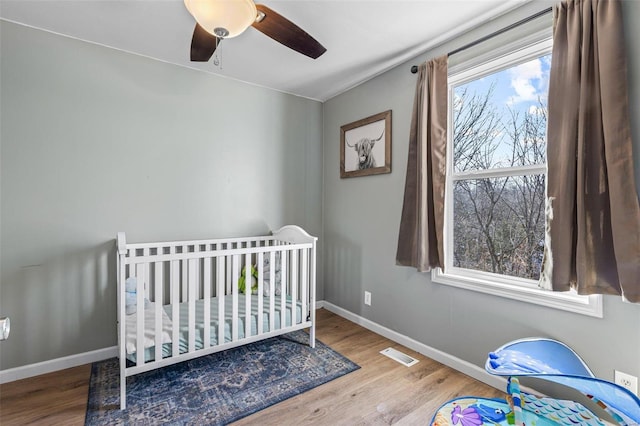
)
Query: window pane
[
  {"x": 500, "y": 119},
  {"x": 499, "y": 225}
]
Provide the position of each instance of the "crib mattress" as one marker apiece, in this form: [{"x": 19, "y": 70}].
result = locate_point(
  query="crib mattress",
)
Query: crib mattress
[{"x": 183, "y": 323}]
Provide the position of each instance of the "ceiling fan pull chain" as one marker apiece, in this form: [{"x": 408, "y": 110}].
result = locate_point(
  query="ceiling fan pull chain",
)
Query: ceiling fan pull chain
[{"x": 217, "y": 58}]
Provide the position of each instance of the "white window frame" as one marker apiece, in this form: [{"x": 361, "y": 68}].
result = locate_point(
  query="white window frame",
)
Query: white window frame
[{"x": 521, "y": 289}]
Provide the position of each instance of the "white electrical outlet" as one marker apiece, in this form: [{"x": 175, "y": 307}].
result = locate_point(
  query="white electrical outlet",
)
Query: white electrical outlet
[
  {"x": 627, "y": 381},
  {"x": 367, "y": 298}
]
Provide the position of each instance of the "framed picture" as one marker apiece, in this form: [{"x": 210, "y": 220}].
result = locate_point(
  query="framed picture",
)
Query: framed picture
[{"x": 365, "y": 146}]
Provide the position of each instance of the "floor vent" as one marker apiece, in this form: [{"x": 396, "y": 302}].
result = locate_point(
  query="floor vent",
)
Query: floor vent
[{"x": 402, "y": 358}]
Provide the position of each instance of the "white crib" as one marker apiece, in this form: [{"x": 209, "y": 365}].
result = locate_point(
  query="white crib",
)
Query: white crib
[{"x": 189, "y": 291}]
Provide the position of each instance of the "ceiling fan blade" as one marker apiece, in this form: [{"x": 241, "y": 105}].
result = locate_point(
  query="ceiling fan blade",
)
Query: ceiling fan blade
[
  {"x": 286, "y": 32},
  {"x": 203, "y": 44}
]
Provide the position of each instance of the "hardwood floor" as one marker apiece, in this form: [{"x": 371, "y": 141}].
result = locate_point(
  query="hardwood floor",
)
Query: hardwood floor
[
  {"x": 58, "y": 398},
  {"x": 381, "y": 392}
]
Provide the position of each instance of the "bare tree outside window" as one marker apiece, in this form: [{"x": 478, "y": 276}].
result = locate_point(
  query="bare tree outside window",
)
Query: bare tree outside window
[{"x": 498, "y": 222}]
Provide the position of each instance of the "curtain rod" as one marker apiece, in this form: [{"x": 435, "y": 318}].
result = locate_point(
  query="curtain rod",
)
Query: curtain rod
[{"x": 414, "y": 68}]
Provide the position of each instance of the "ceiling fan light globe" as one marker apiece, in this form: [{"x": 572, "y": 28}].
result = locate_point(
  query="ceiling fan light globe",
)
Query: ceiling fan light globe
[{"x": 232, "y": 16}]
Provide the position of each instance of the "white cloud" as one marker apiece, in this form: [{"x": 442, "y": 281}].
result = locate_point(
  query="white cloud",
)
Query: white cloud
[{"x": 526, "y": 81}]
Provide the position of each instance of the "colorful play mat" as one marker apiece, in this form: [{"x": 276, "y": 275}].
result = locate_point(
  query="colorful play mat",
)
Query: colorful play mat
[{"x": 604, "y": 403}]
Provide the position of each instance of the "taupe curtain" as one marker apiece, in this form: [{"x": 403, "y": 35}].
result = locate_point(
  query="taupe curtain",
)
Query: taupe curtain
[
  {"x": 421, "y": 226},
  {"x": 594, "y": 218}
]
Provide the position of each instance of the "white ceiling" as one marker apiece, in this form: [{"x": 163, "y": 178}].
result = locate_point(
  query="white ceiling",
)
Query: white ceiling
[{"x": 363, "y": 38}]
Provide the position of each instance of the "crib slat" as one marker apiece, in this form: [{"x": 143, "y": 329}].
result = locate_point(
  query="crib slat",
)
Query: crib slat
[
  {"x": 206, "y": 294},
  {"x": 220, "y": 284},
  {"x": 229, "y": 270},
  {"x": 174, "y": 288},
  {"x": 248, "y": 285},
  {"x": 192, "y": 303},
  {"x": 196, "y": 249},
  {"x": 294, "y": 285},
  {"x": 185, "y": 288},
  {"x": 146, "y": 278},
  {"x": 260, "y": 324},
  {"x": 283, "y": 294},
  {"x": 140, "y": 284},
  {"x": 158, "y": 311},
  {"x": 234, "y": 299},
  {"x": 272, "y": 291},
  {"x": 304, "y": 282}
]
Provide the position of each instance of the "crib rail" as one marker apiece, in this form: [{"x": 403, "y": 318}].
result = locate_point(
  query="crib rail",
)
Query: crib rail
[{"x": 189, "y": 300}]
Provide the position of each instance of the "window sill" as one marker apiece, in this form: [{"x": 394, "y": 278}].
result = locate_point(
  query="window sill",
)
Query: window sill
[{"x": 499, "y": 286}]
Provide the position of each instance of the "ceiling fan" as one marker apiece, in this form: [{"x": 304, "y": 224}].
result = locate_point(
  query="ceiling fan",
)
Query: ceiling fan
[{"x": 220, "y": 19}]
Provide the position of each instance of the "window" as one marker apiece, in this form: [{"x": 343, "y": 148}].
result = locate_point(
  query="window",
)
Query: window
[{"x": 495, "y": 191}]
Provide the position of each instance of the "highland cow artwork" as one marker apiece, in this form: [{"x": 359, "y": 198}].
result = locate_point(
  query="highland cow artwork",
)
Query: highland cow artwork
[{"x": 365, "y": 146}]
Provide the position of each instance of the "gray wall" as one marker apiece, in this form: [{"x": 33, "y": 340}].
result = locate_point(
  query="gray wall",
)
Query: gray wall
[
  {"x": 95, "y": 141},
  {"x": 362, "y": 217}
]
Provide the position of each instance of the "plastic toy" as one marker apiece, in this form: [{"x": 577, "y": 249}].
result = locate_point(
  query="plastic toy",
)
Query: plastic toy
[{"x": 604, "y": 403}]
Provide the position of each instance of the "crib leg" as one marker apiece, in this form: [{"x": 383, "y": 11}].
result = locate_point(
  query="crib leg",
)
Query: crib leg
[
  {"x": 312, "y": 335},
  {"x": 123, "y": 388}
]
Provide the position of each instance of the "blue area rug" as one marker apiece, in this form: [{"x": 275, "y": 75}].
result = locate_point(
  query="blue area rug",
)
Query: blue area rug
[{"x": 215, "y": 389}]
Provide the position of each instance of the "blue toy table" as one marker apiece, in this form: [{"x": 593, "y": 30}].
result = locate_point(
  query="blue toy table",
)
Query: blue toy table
[{"x": 609, "y": 404}]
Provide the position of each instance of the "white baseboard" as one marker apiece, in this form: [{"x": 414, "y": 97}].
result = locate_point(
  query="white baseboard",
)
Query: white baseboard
[
  {"x": 463, "y": 366},
  {"x": 458, "y": 364},
  {"x": 52, "y": 365},
  {"x": 31, "y": 370}
]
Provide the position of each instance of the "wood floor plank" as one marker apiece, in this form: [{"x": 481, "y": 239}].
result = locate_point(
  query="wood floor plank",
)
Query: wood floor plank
[
  {"x": 381, "y": 392},
  {"x": 50, "y": 399}
]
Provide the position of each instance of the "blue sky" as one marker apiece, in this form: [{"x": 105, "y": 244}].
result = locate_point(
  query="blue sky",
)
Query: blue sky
[{"x": 520, "y": 87}]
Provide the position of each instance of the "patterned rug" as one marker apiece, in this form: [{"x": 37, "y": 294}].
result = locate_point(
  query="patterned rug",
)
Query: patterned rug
[{"x": 215, "y": 389}]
